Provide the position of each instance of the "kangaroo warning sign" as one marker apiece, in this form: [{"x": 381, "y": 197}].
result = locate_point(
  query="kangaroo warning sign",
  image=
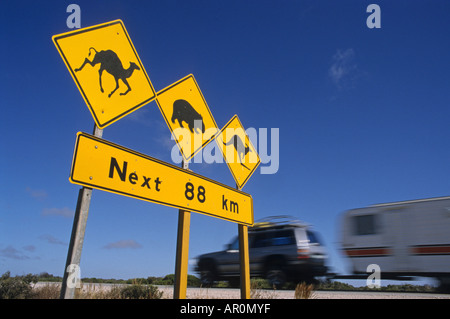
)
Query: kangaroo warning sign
[
  {"x": 110, "y": 167},
  {"x": 188, "y": 116},
  {"x": 238, "y": 151},
  {"x": 107, "y": 70}
]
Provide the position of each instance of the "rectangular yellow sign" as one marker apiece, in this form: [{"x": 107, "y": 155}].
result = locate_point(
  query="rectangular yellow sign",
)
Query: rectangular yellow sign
[
  {"x": 107, "y": 70},
  {"x": 110, "y": 167}
]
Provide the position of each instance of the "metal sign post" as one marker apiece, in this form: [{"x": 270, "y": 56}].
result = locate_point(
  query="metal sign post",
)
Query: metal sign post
[
  {"x": 244, "y": 259},
  {"x": 77, "y": 237},
  {"x": 182, "y": 254}
]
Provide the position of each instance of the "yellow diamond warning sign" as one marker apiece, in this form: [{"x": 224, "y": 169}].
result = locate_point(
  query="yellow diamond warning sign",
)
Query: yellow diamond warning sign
[
  {"x": 107, "y": 70},
  {"x": 238, "y": 151},
  {"x": 188, "y": 116}
]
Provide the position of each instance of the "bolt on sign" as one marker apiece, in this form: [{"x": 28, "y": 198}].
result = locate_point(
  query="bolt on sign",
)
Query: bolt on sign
[
  {"x": 107, "y": 70},
  {"x": 188, "y": 116},
  {"x": 100, "y": 164},
  {"x": 238, "y": 151}
]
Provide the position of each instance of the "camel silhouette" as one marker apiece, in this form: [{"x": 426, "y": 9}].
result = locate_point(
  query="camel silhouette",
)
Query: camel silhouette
[{"x": 110, "y": 62}]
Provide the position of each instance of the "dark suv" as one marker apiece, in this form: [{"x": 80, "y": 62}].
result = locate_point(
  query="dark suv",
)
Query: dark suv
[{"x": 280, "y": 250}]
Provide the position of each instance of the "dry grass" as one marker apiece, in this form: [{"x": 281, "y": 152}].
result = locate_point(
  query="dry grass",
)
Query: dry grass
[
  {"x": 90, "y": 291},
  {"x": 48, "y": 291},
  {"x": 93, "y": 291},
  {"x": 202, "y": 293},
  {"x": 304, "y": 291},
  {"x": 257, "y": 291}
]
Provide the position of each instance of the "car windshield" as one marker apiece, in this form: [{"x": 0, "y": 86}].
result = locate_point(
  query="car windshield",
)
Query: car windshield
[{"x": 313, "y": 237}]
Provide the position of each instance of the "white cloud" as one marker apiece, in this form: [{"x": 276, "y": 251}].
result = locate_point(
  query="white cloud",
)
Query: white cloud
[
  {"x": 12, "y": 253},
  {"x": 343, "y": 70},
  {"x": 51, "y": 240},
  {"x": 65, "y": 212},
  {"x": 121, "y": 244},
  {"x": 39, "y": 194},
  {"x": 140, "y": 116},
  {"x": 30, "y": 248}
]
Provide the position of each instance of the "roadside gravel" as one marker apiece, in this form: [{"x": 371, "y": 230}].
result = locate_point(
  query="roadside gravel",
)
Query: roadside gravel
[
  {"x": 223, "y": 293},
  {"x": 227, "y": 293}
]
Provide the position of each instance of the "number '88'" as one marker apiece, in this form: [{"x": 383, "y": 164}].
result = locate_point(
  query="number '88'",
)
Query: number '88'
[{"x": 190, "y": 192}]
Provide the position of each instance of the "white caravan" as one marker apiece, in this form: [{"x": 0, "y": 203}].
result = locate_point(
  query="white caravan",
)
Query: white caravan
[{"x": 409, "y": 238}]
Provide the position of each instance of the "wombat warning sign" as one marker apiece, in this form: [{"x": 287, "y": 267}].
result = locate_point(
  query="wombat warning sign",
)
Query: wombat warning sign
[
  {"x": 107, "y": 70},
  {"x": 188, "y": 116}
]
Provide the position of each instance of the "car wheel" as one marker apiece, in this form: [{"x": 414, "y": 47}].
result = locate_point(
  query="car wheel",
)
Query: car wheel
[
  {"x": 276, "y": 276},
  {"x": 207, "y": 274},
  {"x": 234, "y": 282},
  {"x": 444, "y": 285},
  {"x": 207, "y": 278}
]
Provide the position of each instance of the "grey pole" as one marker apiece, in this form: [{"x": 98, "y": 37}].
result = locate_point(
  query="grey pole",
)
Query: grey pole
[{"x": 77, "y": 237}]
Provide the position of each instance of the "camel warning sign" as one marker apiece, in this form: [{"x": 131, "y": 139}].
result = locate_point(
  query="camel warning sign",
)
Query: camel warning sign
[
  {"x": 188, "y": 116},
  {"x": 238, "y": 151},
  {"x": 107, "y": 70}
]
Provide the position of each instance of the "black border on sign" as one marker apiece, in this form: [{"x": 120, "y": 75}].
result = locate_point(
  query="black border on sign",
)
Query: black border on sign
[
  {"x": 88, "y": 29},
  {"x": 241, "y": 185},
  {"x": 149, "y": 158},
  {"x": 167, "y": 120}
]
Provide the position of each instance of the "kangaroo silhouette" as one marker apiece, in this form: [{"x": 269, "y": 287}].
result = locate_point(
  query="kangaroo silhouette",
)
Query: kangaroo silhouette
[
  {"x": 110, "y": 62},
  {"x": 239, "y": 147},
  {"x": 184, "y": 112}
]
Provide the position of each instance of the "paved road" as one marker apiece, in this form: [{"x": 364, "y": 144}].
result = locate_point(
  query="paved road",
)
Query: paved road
[{"x": 225, "y": 293}]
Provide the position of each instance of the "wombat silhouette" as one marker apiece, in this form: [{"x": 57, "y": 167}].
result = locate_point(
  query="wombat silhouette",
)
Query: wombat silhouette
[
  {"x": 239, "y": 147},
  {"x": 110, "y": 62},
  {"x": 184, "y": 112}
]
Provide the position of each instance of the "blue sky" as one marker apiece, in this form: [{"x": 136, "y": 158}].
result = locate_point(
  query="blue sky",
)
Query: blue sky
[{"x": 362, "y": 116}]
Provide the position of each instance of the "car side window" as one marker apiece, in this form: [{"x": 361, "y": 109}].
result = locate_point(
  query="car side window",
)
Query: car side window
[
  {"x": 283, "y": 237},
  {"x": 273, "y": 238},
  {"x": 260, "y": 240},
  {"x": 365, "y": 225}
]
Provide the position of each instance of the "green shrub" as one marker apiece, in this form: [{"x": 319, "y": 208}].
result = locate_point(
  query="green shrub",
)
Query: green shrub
[
  {"x": 140, "y": 291},
  {"x": 16, "y": 287},
  {"x": 168, "y": 279},
  {"x": 193, "y": 281}
]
